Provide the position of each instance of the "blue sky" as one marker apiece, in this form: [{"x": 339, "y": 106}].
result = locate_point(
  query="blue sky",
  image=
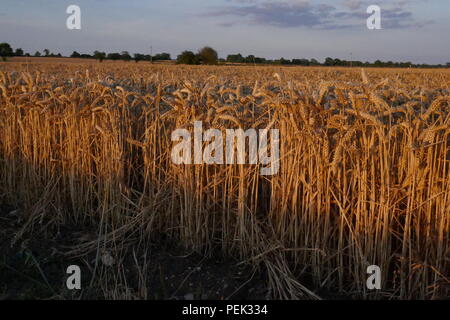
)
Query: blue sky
[{"x": 413, "y": 30}]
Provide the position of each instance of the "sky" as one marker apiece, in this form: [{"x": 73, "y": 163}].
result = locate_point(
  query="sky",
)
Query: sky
[{"x": 412, "y": 30}]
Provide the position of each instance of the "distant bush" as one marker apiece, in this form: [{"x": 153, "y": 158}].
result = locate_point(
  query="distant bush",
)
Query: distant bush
[
  {"x": 5, "y": 51},
  {"x": 208, "y": 55},
  {"x": 162, "y": 56},
  {"x": 100, "y": 56},
  {"x": 188, "y": 57}
]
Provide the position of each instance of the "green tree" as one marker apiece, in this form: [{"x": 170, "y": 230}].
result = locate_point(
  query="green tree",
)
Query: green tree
[
  {"x": 260, "y": 60},
  {"x": 284, "y": 61},
  {"x": 338, "y": 62},
  {"x": 138, "y": 57},
  {"x": 114, "y": 56},
  {"x": 208, "y": 55},
  {"x": 329, "y": 61},
  {"x": 187, "y": 57},
  {"x": 19, "y": 52},
  {"x": 100, "y": 56},
  {"x": 37, "y": 54},
  {"x": 235, "y": 58},
  {"x": 378, "y": 63},
  {"x": 300, "y": 62},
  {"x": 5, "y": 51},
  {"x": 125, "y": 56},
  {"x": 46, "y": 52},
  {"x": 249, "y": 59},
  {"x": 162, "y": 56}
]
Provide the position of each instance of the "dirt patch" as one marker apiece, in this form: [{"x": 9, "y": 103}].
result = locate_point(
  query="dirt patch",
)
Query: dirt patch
[{"x": 33, "y": 266}]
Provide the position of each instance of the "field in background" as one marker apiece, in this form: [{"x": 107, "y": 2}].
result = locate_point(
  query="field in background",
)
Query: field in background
[{"x": 364, "y": 175}]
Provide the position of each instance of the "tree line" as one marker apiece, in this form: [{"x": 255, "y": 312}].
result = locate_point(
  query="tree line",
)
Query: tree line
[
  {"x": 209, "y": 56},
  {"x": 7, "y": 51},
  {"x": 124, "y": 55},
  {"x": 251, "y": 59}
]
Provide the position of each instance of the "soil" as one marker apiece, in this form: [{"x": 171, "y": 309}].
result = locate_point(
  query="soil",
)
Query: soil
[{"x": 34, "y": 265}]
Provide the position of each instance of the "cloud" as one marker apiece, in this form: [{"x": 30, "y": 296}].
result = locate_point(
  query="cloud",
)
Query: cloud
[
  {"x": 279, "y": 14},
  {"x": 353, "y": 4},
  {"x": 306, "y": 14},
  {"x": 242, "y": 1},
  {"x": 362, "y": 4},
  {"x": 226, "y": 24},
  {"x": 391, "y": 18}
]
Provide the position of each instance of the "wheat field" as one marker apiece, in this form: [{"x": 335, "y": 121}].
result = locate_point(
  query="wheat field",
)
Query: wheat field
[{"x": 364, "y": 173}]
